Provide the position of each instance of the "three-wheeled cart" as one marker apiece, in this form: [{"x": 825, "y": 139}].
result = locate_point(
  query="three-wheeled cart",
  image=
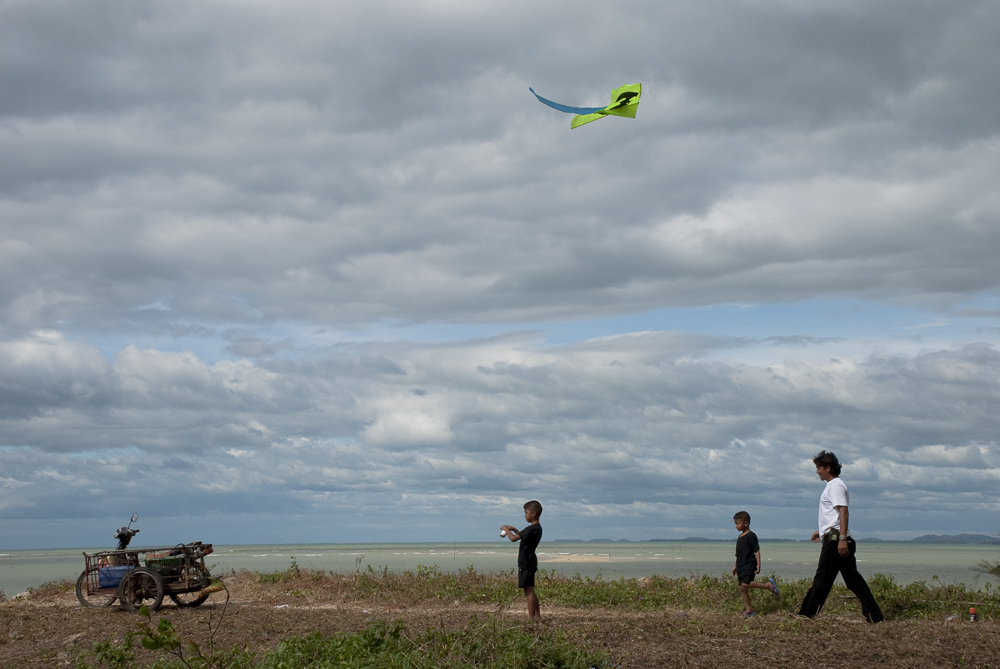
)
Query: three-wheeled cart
[{"x": 141, "y": 577}]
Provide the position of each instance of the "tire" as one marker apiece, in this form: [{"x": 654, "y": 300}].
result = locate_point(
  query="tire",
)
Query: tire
[
  {"x": 189, "y": 599},
  {"x": 195, "y": 597},
  {"x": 95, "y": 600},
  {"x": 141, "y": 587}
]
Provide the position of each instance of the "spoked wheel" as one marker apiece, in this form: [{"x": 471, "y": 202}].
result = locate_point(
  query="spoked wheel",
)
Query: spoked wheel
[
  {"x": 141, "y": 587},
  {"x": 193, "y": 577},
  {"x": 96, "y": 599}
]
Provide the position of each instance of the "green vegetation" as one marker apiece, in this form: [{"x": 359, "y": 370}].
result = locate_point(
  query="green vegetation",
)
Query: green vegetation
[
  {"x": 490, "y": 642},
  {"x": 916, "y": 600},
  {"x": 51, "y": 587},
  {"x": 487, "y": 643},
  {"x": 715, "y": 593},
  {"x": 991, "y": 567},
  {"x": 293, "y": 572},
  {"x": 493, "y": 638},
  {"x": 112, "y": 655}
]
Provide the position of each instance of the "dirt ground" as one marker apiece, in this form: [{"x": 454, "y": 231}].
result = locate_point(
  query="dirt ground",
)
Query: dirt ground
[{"x": 53, "y": 630}]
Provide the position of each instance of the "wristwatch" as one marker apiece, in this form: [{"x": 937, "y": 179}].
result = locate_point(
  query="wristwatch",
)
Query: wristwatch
[{"x": 843, "y": 538}]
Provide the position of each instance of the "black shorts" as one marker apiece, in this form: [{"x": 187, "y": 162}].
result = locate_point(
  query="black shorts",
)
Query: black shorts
[
  {"x": 745, "y": 577},
  {"x": 525, "y": 578}
]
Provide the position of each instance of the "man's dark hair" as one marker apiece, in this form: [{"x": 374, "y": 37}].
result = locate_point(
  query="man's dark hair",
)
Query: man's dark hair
[
  {"x": 534, "y": 506},
  {"x": 742, "y": 515},
  {"x": 828, "y": 459}
]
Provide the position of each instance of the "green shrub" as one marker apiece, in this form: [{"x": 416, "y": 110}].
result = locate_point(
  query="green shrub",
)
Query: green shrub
[
  {"x": 489, "y": 643},
  {"x": 281, "y": 576},
  {"x": 113, "y": 655},
  {"x": 50, "y": 588}
]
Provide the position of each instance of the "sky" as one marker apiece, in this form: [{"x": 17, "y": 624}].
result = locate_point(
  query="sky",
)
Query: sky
[{"x": 278, "y": 272}]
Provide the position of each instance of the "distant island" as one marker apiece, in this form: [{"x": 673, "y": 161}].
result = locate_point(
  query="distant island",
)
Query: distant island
[
  {"x": 947, "y": 539},
  {"x": 925, "y": 539}
]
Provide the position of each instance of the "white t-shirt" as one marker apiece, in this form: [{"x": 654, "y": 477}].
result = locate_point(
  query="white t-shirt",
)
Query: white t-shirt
[{"x": 834, "y": 495}]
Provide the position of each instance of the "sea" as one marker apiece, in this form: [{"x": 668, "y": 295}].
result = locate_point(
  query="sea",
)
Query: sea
[{"x": 905, "y": 562}]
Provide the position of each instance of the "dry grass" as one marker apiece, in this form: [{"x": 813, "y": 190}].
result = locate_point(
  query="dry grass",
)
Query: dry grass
[
  {"x": 429, "y": 584},
  {"x": 639, "y": 623}
]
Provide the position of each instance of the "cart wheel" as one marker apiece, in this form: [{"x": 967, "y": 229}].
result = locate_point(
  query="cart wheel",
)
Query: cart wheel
[
  {"x": 141, "y": 587},
  {"x": 96, "y": 599},
  {"x": 192, "y": 599},
  {"x": 196, "y": 577}
]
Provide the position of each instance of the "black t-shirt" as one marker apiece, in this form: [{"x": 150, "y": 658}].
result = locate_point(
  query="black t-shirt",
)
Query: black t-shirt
[
  {"x": 746, "y": 549},
  {"x": 530, "y": 536}
]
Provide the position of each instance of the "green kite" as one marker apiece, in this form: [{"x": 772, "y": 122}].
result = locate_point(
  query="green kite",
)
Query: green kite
[{"x": 624, "y": 102}]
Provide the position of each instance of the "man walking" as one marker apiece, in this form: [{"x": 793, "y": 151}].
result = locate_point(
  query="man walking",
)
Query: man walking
[{"x": 837, "y": 554}]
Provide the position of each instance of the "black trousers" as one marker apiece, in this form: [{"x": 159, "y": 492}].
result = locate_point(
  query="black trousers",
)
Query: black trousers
[{"x": 830, "y": 563}]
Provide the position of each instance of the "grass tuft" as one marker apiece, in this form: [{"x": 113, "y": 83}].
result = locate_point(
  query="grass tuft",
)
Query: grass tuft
[
  {"x": 50, "y": 588},
  {"x": 716, "y": 593}
]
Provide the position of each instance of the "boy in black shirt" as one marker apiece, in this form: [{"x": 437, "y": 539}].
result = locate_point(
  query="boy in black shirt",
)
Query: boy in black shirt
[
  {"x": 748, "y": 561},
  {"x": 527, "y": 561}
]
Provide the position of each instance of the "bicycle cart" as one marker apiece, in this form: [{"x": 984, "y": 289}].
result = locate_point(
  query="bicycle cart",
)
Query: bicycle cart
[{"x": 141, "y": 577}]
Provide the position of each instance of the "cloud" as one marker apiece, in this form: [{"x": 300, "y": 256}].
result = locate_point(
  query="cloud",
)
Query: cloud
[
  {"x": 632, "y": 425},
  {"x": 407, "y": 427},
  {"x": 221, "y": 225},
  {"x": 271, "y": 165}
]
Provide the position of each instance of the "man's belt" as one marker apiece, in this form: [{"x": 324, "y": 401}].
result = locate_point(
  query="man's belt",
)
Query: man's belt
[{"x": 834, "y": 535}]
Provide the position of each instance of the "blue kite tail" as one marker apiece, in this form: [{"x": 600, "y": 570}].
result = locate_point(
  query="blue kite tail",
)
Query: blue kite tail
[{"x": 565, "y": 108}]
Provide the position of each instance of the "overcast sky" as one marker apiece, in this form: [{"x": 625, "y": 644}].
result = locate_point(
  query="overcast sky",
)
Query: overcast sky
[{"x": 327, "y": 271}]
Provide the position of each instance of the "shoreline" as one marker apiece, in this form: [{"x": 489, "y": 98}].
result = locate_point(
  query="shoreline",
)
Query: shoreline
[{"x": 954, "y": 564}]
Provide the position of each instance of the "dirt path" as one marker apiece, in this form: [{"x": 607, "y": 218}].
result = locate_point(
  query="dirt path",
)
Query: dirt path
[{"x": 54, "y": 631}]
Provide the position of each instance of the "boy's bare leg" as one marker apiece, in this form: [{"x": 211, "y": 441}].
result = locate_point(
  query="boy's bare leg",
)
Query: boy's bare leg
[
  {"x": 534, "y": 611},
  {"x": 745, "y": 593}
]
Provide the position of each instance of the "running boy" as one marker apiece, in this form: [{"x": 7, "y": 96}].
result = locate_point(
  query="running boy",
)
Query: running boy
[
  {"x": 748, "y": 561},
  {"x": 527, "y": 561}
]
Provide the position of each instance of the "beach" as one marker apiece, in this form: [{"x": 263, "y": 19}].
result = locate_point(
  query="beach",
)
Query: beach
[{"x": 950, "y": 563}]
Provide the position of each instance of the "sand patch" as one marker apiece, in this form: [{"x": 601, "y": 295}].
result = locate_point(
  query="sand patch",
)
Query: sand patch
[{"x": 575, "y": 558}]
